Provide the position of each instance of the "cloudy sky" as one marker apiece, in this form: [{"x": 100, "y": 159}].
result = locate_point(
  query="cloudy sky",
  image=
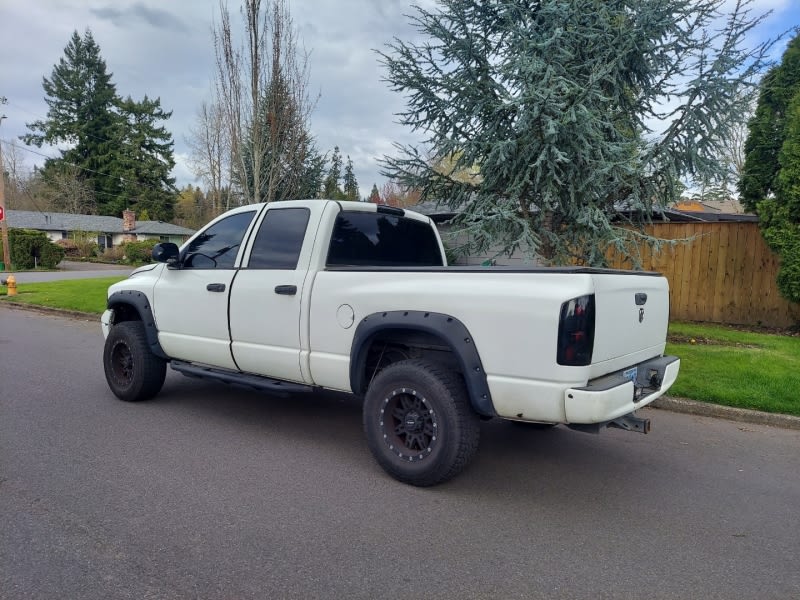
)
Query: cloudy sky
[{"x": 162, "y": 48}]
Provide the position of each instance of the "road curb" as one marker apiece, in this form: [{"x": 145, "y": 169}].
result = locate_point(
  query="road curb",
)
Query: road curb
[
  {"x": 704, "y": 409},
  {"x": 75, "y": 314}
]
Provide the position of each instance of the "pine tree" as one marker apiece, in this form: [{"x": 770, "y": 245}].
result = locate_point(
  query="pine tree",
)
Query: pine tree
[
  {"x": 350, "y": 181},
  {"x": 374, "y": 195},
  {"x": 144, "y": 160},
  {"x": 550, "y": 102},
  {"x": 332, "y": 189},
  {"x": 80, "y": 99},
  {"x": 118, "y": 147},
  {"x": 312, "y": 181}
]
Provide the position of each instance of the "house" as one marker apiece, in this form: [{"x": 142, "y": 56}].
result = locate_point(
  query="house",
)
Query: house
[
  {"x": 691, "y": 209},
  {"x": 685, "y": 211},
  {"x": 110, "y": 231}
]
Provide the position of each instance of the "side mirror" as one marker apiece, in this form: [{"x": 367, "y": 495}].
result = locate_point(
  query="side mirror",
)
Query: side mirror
[{"x": 166, "y": 252}]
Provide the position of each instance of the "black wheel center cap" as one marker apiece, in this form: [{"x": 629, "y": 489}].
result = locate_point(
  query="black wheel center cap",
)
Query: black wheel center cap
[{"x": 413, "y": 421}]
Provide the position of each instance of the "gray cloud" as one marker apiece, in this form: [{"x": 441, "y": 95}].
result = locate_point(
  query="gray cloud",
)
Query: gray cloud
[{"x": 155, "y": 17}]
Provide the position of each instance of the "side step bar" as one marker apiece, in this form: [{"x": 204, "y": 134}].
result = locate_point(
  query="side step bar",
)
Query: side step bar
[{"x": 257, "y": 382}]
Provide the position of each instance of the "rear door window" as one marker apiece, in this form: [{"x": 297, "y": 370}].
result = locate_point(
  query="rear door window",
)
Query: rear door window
[{"x": 280, "y": 239}]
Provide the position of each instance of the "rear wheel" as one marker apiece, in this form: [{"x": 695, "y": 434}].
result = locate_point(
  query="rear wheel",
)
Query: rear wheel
[
  {"x": 133, "y": 372},
  {"x": 418, "y": 422}
]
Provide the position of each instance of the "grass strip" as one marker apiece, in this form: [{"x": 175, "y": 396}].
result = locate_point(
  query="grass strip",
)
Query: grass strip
[
  {"x": 84, "y": 295},
  {"x": 743, "y": 369}
]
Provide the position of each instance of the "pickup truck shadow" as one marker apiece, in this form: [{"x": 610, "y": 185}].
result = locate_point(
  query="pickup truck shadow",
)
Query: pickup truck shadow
[{"x": 512, "y": 459}]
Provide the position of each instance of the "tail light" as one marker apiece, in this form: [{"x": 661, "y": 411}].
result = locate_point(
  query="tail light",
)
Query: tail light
[{"x": 576, "y": 332}]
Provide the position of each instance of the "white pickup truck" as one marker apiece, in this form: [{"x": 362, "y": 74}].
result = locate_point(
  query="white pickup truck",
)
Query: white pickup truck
[{"x": 355, "y": 297}]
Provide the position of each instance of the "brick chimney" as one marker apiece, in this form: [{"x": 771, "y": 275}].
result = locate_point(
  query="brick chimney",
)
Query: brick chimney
[{"x": 128, "y": 220}]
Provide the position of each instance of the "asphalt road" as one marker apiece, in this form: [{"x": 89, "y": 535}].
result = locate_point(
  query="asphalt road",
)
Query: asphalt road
[
  {"x": 69, "y": 270},
  {"x": 216, "y": 492}
]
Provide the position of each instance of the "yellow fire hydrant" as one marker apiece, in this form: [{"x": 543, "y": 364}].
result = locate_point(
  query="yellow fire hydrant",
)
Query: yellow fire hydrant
[{"x": 11, "y": 283}]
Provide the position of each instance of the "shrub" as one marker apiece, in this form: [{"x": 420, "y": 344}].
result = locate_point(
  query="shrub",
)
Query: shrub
[
  {"x": 139, "y": 252},
  {"x": 71, "y": 249},
  {"x": 30, "y": 249},
  {"x": 115, "y": 254}
]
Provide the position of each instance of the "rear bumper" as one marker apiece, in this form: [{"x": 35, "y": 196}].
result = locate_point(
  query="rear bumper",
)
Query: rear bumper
[{"x": 614, "y": 395}]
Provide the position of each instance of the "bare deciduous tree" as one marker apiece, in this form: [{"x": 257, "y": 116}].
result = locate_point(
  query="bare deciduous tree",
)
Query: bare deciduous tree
[
  {"x": 210, "y": 153},
  {"x": 262, "y": 93}
]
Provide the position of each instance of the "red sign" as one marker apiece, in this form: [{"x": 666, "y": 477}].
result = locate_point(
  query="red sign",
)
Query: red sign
[{"x": 2, "y": 213}]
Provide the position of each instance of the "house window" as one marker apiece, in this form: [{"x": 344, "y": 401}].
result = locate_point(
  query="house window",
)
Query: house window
[
  {"x": 104, "y": 241},
  {"x": 64, "y": 235},
  {"x": 163, "y": 238}
]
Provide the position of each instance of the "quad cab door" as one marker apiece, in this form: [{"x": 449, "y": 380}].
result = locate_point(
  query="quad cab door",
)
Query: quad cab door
[
  {"x": 270, "y": 290},
  {"x": 191, "y": 302}
]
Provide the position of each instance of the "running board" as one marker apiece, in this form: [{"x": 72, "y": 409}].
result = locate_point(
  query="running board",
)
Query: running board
[{"x": 257, "y": 382}]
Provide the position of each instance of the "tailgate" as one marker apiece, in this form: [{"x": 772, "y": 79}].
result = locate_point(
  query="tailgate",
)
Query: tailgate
[{"x": 632, "y": 313}]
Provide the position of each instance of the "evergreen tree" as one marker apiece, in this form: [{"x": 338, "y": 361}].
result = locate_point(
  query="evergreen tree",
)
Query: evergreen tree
[
  {"x": 770, "y": 183},
  {"x": 144, "y": 160},
  {"x": 117, "y": 146},
  {"x": 80, "y": 99},
  {"x": 350, "y": 182},
  {"x": 779, "y": 214},
  {"x": 374, "y": 195},
  {"x": 313, "y": 179},
  {"x": 767, "y": 129},
  {"x": 332, "y": 189},
  {"x": 550, "y": 103},
  {"x": 287, "y": 150}
]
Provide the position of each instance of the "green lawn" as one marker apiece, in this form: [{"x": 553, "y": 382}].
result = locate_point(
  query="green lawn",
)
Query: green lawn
[
  {"x": 723, "y": 366},
  {"x": 84, "y": 295},
  {"x": 737, "y": 368}
]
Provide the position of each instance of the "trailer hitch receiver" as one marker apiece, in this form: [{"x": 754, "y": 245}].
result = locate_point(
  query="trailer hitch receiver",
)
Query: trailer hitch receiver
[{"x": 631, "y": 423}]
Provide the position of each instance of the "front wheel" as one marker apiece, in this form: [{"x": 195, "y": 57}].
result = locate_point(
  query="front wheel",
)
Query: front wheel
[
  {"x": 418, "y": 422},
  {"x": 133, "y": 372}
]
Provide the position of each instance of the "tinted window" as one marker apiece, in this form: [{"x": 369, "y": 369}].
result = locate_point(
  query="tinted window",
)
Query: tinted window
[
  {"x": 280, "y": 239},
  {"x": 216, "y": 247},
  {"x": 375, "y": 239}
]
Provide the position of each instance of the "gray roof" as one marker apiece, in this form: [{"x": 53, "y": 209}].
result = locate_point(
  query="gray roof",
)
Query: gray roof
[{"x": 53, "y": 221}]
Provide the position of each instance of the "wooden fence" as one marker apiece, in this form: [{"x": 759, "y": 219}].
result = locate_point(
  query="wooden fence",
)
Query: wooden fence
[{"x": 725, "y": 274}]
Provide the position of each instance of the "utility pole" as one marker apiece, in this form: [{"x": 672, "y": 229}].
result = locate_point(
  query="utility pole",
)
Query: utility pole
[{"x": 4, "y": 222}]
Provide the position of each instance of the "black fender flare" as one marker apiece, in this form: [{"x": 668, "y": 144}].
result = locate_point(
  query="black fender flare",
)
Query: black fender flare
[
  {"x": 446, "y": 327},
  {"x": 139, "y": 303}
]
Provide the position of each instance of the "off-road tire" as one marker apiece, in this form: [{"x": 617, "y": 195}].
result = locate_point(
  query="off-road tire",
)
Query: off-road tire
[
  {"x": 419, "y": 423},
  {"x": 133, "y": 372}
]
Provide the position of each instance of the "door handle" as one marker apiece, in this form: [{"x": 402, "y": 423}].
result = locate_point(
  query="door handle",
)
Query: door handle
[
  {"x": 286, "y": 290},
  {"x": 216, "y": 287}
]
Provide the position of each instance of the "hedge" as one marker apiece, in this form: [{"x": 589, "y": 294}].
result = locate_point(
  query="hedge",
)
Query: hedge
[{"x": 30, "y": 249}]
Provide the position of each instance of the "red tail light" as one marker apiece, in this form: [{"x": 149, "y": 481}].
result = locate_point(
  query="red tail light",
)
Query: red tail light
[{"x": 576, "y": 332}]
